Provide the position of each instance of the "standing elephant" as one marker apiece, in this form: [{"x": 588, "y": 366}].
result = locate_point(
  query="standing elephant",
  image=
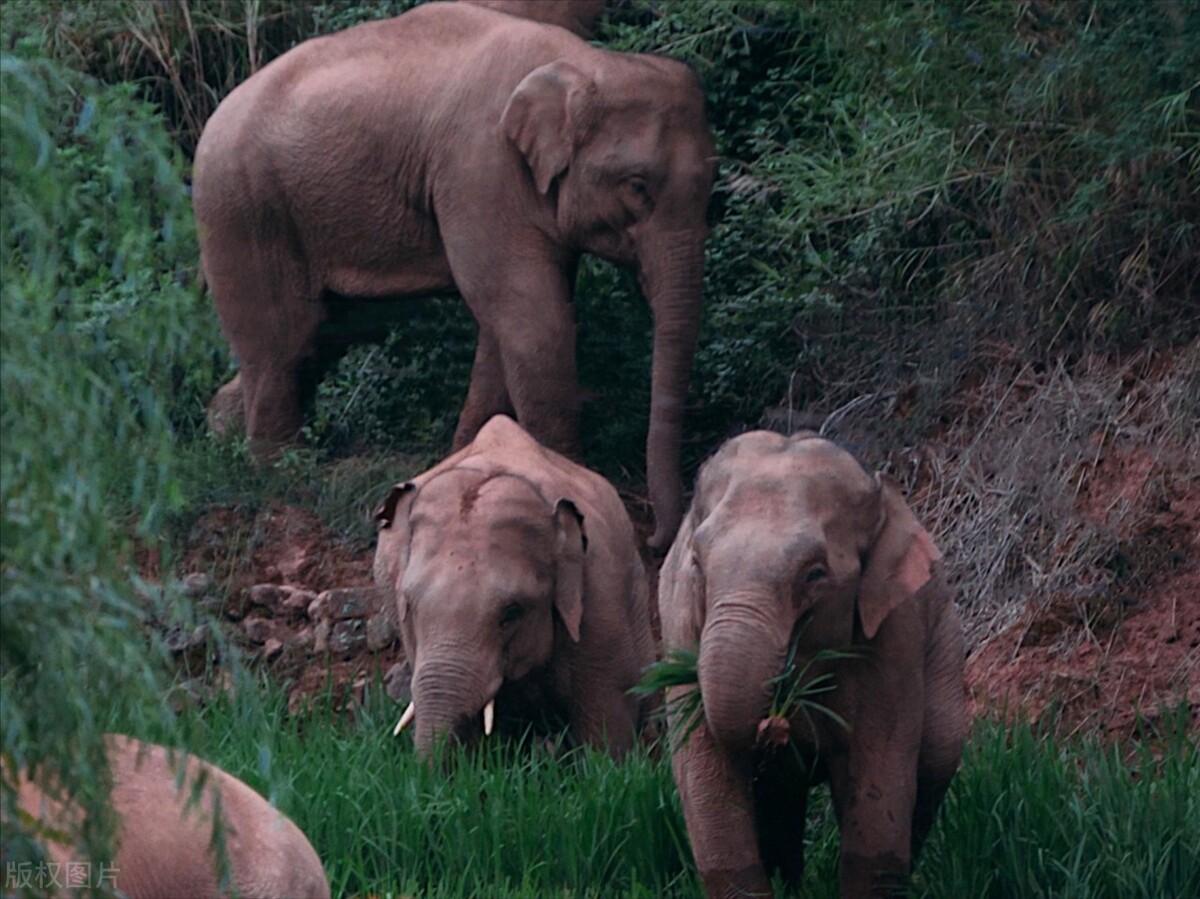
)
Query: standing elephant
[
  {"x": 457, "y": 147},
  {"x": 578, "y": 16},
  {"x": 517, "y": 586},
  {"x": 789, "y": 546},
  {"x": 163, "y": 840}
]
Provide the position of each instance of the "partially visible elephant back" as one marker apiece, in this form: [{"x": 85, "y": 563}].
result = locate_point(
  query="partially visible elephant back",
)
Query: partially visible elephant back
[
  {"x": 578, "y": 16},
  {"x": 163, "y": 847}
]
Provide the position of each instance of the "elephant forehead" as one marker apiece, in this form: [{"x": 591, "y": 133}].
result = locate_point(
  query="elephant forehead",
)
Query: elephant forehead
[
  {"x": 480, "y": 530},
  {"x": 781, "y": 492},
  {"x": 470, "y": 565},
  {"x": 479, "y": 500},
  {"x": 804, "y": 468}
]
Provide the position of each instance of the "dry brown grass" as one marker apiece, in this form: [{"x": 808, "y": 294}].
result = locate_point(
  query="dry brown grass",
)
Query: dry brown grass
[{"x": 1046, "y": 483}]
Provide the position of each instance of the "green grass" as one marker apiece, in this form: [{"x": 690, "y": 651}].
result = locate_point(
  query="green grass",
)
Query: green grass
[
  {"x": 1024, "y": 817},
  {"x": 508, "y": 821}
]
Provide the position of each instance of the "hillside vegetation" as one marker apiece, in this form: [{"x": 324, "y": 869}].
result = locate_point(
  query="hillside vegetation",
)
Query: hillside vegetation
[{"x": 962, "y": 238}]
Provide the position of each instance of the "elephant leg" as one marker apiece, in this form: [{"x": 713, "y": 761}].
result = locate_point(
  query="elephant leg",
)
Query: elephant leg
[
  {"x": 270, "y": 313},
  {"x": 540, "y": 375},
  {"x": 273, "y": 405},
  {"x": 605, "y": 717},
  {"x": 718, "y": 807},
  {"x": 873, "y": 796},
  {"x": 487, "y": 395},
  {"x": 781, "y": 806},
  {"x": 524, "y": 304}
]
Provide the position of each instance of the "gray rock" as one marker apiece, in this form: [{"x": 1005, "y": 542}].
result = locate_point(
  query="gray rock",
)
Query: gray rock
[
  {"x": 321, "y": 637},
  {"x": 197, "y": 584},
  {"x": 298, "y": 600},
  {"x": 269, "y": 595},
  {"x": 344, "y": 603},
  {"x": 259, "y": 630},
  {"x": 347, "y": 637},
  {"x": 380, "y": 631},
  {"x": 272, "y": 649},
  {"x": 398, "y": 682},
  {"x": 181, "y": 640}
]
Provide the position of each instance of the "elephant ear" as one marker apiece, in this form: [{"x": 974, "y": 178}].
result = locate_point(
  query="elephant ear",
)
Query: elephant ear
[
  {"x": 392, "y": 556},
  {"x": 900, "y": 563},
  {"x": 386, "y": 513},
  {"x": 546, "y": 118},
  {"x": 571, "y": 546},
  {"x": 681, "y": 590}
]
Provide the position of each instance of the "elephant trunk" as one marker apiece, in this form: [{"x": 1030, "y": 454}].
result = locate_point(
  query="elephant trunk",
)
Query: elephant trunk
[
  {"x": 740, "y": 652},
  {"x": 449, "y": 695},
  {"x": 673, "y": 280}
]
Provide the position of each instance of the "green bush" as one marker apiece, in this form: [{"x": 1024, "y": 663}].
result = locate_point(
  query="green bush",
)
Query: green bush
[
  {"x": 104, "y": 356},
  {"x": 904, "y": 181}
]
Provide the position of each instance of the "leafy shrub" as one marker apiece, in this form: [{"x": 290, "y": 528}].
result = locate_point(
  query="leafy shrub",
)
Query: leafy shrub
[
  {"x": 185, "y": 56},
  {"x": 105, "y": 354},
  {"x": 406, "y": 392},
  {"x": 902, "y": 181}
]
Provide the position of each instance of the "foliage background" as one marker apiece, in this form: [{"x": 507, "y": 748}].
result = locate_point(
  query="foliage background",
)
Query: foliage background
[{"x": 913, "y": 196}]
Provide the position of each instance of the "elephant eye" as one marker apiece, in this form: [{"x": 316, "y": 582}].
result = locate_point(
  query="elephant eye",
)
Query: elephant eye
[
  {"x": 816, "y": 573},
  {"x": 512, "y": 612},
  {"x": 638, "y": 190}
]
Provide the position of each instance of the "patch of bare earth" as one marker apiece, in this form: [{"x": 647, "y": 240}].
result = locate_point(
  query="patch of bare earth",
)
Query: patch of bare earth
[
  {"x": 1112, "y": 666},
  {"x": 1105, "y": 637},
  {"x": 298, "y": 598}
]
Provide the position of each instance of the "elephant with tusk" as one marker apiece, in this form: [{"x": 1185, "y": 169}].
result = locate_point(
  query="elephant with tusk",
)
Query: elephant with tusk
[{"x": 518, "y": 590}]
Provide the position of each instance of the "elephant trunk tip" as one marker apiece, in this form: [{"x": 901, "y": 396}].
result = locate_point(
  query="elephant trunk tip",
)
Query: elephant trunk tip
[
  {"x": 664, "y": 534},
  {"x": 668, "y": 513}
]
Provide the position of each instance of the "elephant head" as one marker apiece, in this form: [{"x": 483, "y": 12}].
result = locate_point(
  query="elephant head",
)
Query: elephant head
[
  {"x": 788, "y": 539},
  {"x": 620, "y": 147},
  {"x": 487, "y": 576}
]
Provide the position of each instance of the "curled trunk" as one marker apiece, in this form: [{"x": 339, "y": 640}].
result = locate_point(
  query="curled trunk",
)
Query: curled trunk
[{"x": 739, "y": 653}]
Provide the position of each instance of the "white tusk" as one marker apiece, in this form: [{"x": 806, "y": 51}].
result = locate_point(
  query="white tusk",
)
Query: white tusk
[
  {"x": 489, "y": 715},
  {"x": 405, "y": 719}
]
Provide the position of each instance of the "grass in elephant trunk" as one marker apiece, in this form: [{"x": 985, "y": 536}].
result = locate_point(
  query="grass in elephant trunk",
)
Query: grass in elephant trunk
[{"x": 794, "y": 692}]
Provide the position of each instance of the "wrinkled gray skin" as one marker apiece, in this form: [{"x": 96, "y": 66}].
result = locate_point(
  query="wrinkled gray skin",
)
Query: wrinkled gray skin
[
  {"x": 455, "y": 147},
  {"x": 164, "y": 845},
  {"x": 578, "y": 16},
  {"x": 516, "y": 577},
  {"x": 791, "y": 537}
]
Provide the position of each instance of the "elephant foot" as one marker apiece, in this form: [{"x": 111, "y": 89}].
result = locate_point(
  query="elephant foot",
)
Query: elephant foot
[
  {"x": 747, "y": 883},
  {"x": 226, "y": 413}
]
